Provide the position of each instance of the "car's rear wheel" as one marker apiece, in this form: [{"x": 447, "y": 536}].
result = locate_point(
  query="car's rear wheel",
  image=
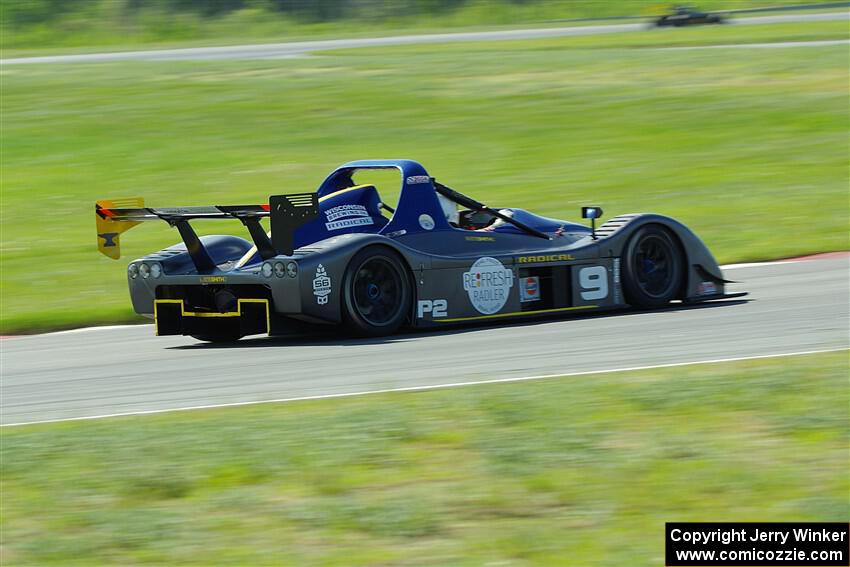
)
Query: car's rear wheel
[
  {"x": 653, "y": 268},
  {"x": 376, "y": 292}
]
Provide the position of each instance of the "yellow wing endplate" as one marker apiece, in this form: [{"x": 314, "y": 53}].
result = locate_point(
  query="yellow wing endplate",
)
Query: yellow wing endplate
[{"x": 109, "y": 229}]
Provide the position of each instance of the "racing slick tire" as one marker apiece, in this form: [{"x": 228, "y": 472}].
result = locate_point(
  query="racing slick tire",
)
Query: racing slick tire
[
  {"x": 653, "y": 267},
  {"x": 376, "y": 292}
]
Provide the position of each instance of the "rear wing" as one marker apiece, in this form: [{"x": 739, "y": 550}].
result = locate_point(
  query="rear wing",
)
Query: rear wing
[{"x": 286, "y": 213}]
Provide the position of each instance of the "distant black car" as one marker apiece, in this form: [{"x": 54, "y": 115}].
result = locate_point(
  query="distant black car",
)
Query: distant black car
[{"x": 688, "y": 17}]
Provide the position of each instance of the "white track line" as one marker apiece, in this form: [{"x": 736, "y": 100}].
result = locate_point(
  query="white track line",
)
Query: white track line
[
  {"x": 777, "y": 45},
  {"x": 424, "y": 388},
  {"x": 86, "y": 329},
  {"x": 760, "y": 264}
]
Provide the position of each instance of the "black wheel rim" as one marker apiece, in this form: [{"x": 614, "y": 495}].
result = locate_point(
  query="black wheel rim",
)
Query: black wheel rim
[
  {"x": 377, "y": 291},
  {"x": 653, "y": 265}
]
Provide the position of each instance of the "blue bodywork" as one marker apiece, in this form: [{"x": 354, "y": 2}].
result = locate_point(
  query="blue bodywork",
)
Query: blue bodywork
[
  {"x": 417, "y": 195},
  {"x": 355, "y": 209},
  {"x": 338, "y": 193}
]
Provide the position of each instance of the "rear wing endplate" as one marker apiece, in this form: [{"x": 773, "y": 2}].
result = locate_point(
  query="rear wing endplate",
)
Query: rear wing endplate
[{"x": 109, "y": 229}]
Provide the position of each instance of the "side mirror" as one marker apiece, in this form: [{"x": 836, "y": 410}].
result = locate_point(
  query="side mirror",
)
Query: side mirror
[{"x": 591, "y": 213}]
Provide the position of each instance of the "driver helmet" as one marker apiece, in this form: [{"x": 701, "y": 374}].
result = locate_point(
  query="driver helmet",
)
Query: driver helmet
[{"x": 450, "y": 210}]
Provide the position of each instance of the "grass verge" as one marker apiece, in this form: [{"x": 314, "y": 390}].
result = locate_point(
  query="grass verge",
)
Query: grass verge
[
  {"x": 747, "y": 147},
  {"x": 579, "y": 470}
]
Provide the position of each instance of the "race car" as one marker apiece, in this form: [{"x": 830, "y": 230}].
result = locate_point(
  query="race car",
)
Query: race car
[
  {"x": 341, "y": 256},
  {"x": 684, "y": 16}
]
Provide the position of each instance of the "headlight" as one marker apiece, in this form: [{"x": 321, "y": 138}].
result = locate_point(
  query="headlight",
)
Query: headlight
[
  {"x": 266, "y": 270},
  {"x": 279, "y": 269},
  {"x": 145, "y": 270},
  {"x": 156, "y": 270},
  {"x": 133, "y": 271},
  {"x": 292, "y": 269}
]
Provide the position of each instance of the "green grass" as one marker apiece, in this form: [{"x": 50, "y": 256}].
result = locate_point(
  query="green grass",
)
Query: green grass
[
  {"x": 109, "y": 23},
  {"x": 580, "y": 470},
  {"x": 747, "y": 147}
]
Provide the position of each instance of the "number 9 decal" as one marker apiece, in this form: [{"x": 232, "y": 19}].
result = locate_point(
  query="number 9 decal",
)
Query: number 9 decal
[{"x": 594, "y": 282}]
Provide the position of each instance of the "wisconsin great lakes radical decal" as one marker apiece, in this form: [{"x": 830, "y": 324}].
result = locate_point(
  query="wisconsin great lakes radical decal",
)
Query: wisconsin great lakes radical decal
[
  {"x": 488, "y": 282},
  {"x": 321, "y": 285},
  {"x": 358, "y": 212}
]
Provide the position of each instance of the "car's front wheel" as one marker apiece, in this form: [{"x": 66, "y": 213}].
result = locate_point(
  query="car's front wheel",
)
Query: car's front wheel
[
  {"x": 653, "y": 268},
  {"x": 376, "y": 292}
]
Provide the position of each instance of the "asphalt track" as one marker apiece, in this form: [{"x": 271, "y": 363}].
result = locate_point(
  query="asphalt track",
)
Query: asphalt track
[
  {"x": 798, "y": 306},
  {"x": 294, "y": 49}
]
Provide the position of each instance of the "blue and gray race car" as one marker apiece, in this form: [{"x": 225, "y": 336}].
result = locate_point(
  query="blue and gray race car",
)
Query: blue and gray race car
[{"x": 341, "y": 256}]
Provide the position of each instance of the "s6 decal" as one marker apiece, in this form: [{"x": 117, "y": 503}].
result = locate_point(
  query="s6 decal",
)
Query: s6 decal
[{"x": 321, "y": 285}]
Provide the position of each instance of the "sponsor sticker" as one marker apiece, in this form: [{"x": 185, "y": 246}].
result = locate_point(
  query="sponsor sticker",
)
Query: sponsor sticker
[
  {"x": 346, "y": 223},
  {"x": 487, "y": 283},
  {"x": 358, "y": 216},
  {"x": 346, "y": 211},
  {"x": 212, "y": 279},
  {"x": 618, "y": 296},
  {"x": 109, "y": 238},
  {"x": 414, "y": 179},
  {"x": 545, "y": 258},
  {"x": 706, "y": 288},
  {"x": 321, "y": 285},
  {"x": 436, "y": 307},
  {"x": 530, "y": 289},
  {"x": 480, "y": 238},
  {"x": 426, "y": 222}
]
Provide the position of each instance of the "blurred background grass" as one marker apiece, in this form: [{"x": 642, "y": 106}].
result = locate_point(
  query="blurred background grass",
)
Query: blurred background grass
[
  {"x": 748, "y": 147},
  {"x": 38, "y": 24},
  {"x": 580, "y": 470}
]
